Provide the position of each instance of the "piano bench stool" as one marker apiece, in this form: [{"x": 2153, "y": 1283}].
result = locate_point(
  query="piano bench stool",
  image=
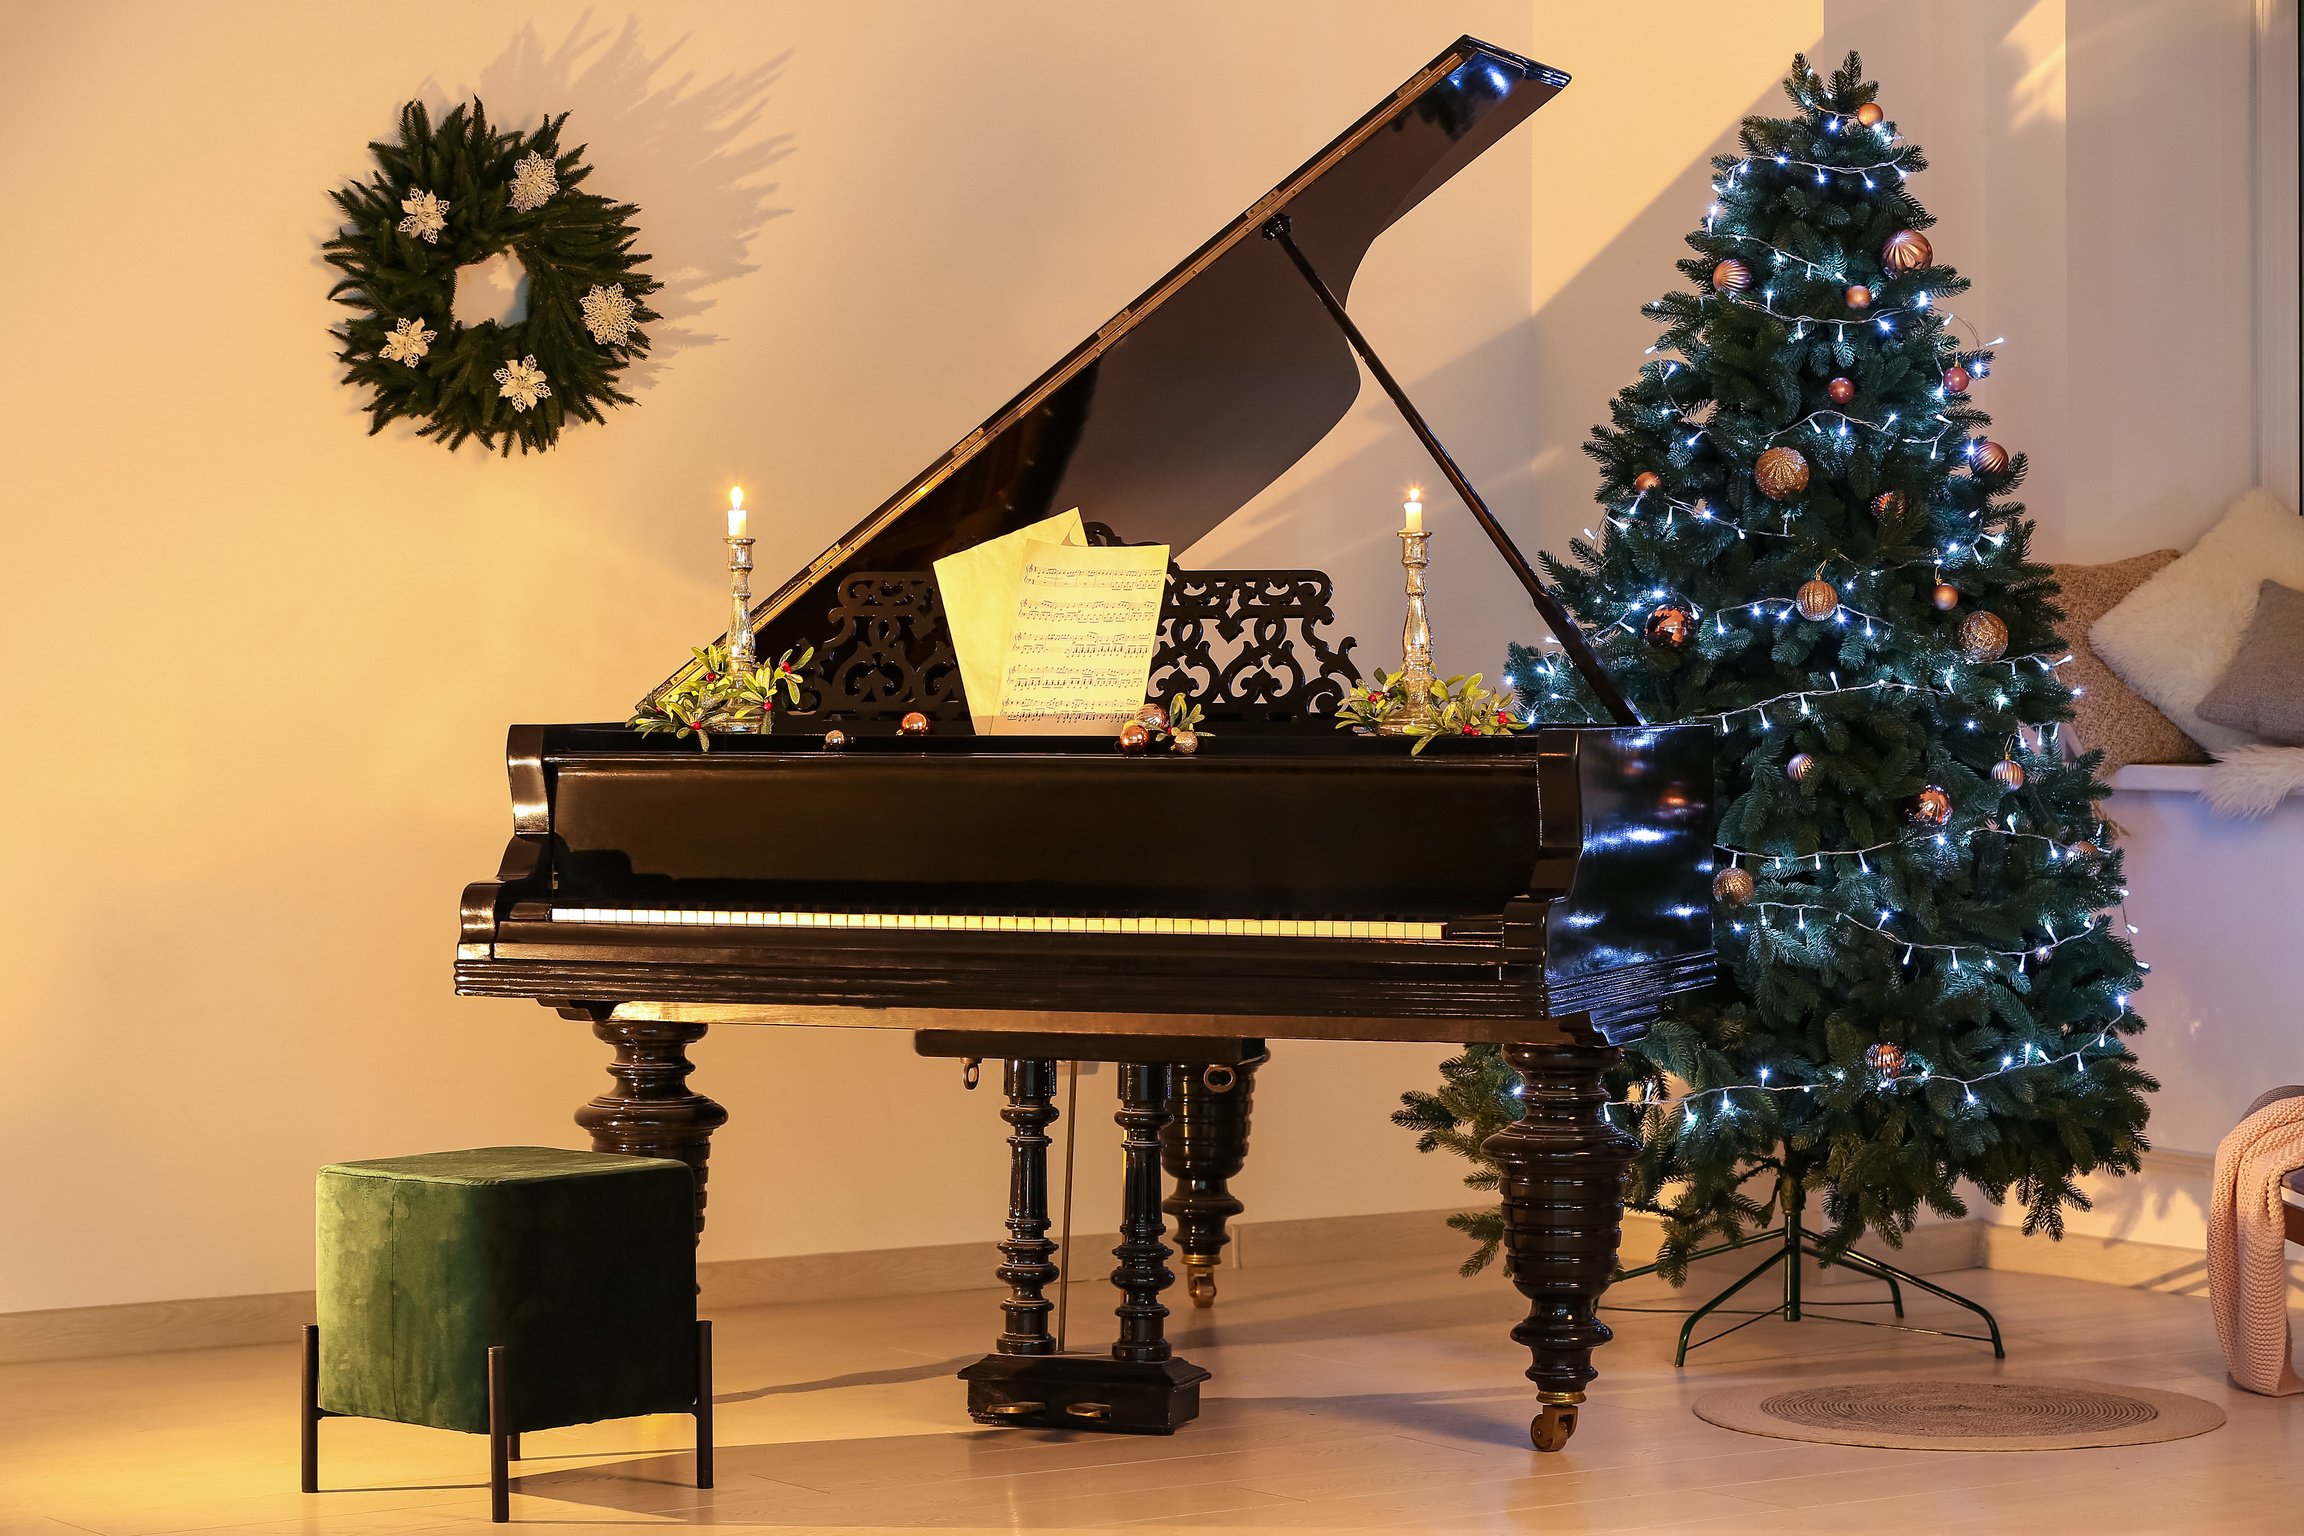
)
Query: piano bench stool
[{"x": 503, "y": 1290}]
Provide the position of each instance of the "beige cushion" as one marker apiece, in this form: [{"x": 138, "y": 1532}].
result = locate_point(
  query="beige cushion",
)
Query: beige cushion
[
  {"x": 2171, "y": 638},
  {"x": 2111, "y": 718},
  {"x": 2262, "y": 691}
]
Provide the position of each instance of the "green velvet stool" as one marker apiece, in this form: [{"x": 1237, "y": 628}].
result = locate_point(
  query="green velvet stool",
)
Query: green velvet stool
[{"x": 507, "y": 1289}]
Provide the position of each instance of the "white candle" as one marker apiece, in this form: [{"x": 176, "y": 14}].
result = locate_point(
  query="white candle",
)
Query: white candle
[
  {"x": 736, "y": 512},
  {"x": 1414, "y": 507}
]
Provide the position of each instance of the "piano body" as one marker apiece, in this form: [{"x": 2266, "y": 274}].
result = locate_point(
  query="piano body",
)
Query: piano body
[{"x": 908, "y": 882}]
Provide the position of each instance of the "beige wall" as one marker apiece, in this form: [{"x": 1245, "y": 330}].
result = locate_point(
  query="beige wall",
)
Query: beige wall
[{"x": 261, "y": 663}]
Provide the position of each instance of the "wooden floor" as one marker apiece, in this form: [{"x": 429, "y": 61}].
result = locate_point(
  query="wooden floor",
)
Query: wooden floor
[{"x": 1373, "y": 1396}]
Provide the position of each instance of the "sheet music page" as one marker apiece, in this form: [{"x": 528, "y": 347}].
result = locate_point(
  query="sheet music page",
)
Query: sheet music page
[
  {"x": 979, "y": 587},
  {"x": 1080, "y": 653}
]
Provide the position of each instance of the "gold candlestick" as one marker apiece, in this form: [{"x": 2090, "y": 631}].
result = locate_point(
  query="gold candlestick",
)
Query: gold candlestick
[{"x": 1413, "y": 682}]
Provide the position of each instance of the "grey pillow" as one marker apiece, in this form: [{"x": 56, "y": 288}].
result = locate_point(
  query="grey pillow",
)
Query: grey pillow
[{"x": 2262, "y": 691}]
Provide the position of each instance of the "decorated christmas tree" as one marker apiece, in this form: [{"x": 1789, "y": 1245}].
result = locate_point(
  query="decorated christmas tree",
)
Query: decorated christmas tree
[{"x": 1809, "y": 544}]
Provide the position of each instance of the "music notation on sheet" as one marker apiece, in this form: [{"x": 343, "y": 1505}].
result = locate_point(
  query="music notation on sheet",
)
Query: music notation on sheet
[{"x": 1087, "y": 620}]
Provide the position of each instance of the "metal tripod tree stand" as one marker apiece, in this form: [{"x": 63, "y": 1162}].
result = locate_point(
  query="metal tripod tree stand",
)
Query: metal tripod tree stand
[{"x": 1792, "y": 1242}]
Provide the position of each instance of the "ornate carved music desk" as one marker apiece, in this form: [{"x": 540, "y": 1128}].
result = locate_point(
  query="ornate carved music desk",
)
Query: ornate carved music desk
[{"x": 656, "y": 891}]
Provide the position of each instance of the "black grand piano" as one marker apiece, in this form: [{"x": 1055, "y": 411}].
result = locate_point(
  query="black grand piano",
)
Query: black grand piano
[{"x": 655, "y": 891}]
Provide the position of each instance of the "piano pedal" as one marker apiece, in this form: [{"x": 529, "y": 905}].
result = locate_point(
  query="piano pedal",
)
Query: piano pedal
[{"x": 1084, "y": 1392}]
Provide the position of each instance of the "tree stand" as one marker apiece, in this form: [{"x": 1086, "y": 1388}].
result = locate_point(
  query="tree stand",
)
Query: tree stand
[{"x": 1791, "y": 1243}]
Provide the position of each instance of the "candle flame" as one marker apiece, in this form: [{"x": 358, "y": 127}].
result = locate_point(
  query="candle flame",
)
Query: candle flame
[
  {"x": 1415, "y": 493},
  {"x": 735, "y": 498}
]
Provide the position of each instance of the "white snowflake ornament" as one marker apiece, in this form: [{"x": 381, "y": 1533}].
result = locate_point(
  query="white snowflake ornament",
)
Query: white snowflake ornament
[
  {"x": 427, "y": 216},
  {"x": 608, "y": 314},
  {"x": 534, "y": 180},
  {"x": 408, "y": 343},
  {"x": 522, "y": 383}
]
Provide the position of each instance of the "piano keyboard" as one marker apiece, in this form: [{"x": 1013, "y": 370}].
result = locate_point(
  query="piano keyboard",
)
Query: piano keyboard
[{"x": 990, "y": 922}]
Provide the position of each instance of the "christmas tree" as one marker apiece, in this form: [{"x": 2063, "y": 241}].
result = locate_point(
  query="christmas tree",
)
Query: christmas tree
[{"x": 1809, "y": 545}]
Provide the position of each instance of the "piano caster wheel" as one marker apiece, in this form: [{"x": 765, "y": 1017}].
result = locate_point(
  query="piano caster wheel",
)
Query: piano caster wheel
[
  {"x": 1553, "y": 1425},
  {"x": 1200, "y": 1284}
]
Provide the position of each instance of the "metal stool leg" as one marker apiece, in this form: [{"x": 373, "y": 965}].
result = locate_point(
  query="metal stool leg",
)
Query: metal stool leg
[
  {"x": 499, "y": 1436},
  {"x": 703, "y": 1403},
  {"x": 311, "y": 1416}
]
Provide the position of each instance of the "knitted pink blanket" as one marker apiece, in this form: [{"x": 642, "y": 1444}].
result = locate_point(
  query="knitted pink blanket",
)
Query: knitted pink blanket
[{"x": 2247, "y": 1247}]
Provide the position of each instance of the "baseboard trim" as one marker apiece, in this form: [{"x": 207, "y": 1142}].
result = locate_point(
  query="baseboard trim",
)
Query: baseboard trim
[{"x": 213, "y": 1322}]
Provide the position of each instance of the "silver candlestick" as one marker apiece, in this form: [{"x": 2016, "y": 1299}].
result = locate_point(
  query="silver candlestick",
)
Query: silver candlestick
[
  {"x": 1413, "y": 683},
  {"x": 742, "y": 658}
]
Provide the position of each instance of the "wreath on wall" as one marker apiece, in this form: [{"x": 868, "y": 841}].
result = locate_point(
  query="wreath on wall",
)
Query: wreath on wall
[{"x": 443, "y": 198}]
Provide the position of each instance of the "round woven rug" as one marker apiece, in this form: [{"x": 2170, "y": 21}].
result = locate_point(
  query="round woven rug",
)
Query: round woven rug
[{"x": 1949, "y": 1414}]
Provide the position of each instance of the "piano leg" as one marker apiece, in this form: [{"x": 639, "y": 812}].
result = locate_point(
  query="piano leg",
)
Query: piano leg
[
  {"x": 1027, "y": 1251},
  {"x": 1563, "y": 1184},
  {"x": 1202, "y": 1147},
  {"x": 651, "y": 1112}
]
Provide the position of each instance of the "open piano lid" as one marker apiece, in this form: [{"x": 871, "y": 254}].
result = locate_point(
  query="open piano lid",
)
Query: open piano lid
[{"x": 1191, "y": 400}]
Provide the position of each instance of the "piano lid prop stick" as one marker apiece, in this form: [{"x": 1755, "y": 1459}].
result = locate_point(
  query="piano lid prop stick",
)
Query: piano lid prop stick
[{"x": 1572, "y": 642}]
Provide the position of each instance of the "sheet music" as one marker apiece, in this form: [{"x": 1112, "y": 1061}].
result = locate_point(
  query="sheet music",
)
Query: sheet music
[
  {"x": 1053, "y": 637},
  {"x": 1086, "y": 624}
]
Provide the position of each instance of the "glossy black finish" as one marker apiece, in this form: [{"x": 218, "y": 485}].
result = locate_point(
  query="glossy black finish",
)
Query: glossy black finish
[
  {"x": 1210, "y": 384},
  {"x": 1586, "y": 897},
  {"x": 1281, "y": 229}
]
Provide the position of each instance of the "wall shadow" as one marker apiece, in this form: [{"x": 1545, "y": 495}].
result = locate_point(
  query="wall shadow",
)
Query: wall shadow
[{"x": 688, "y": 147}]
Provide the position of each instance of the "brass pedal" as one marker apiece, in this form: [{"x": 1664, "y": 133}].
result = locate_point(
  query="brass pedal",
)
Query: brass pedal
[{"x": 1089, "y": 1410}]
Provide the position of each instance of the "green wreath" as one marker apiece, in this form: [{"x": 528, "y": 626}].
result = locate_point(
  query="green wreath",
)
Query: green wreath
[{"x": 442, "y": 198}]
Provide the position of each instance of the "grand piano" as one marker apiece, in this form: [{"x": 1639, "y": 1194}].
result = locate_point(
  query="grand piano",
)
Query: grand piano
[{"x": 654, "y": 891}]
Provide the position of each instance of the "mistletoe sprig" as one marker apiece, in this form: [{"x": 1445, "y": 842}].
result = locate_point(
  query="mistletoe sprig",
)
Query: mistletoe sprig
[
  {"x": 1467, "y": 708},
  {"x": 447, "y": 196},
  {"x": 716, "y": 697}
]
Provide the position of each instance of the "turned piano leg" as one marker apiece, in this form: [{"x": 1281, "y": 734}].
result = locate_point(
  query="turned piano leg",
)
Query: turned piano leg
[
  {"x": 1563, "y": 1184},
  {"x": 651, "y": 1112},
  {"x": 1143, "y": 1272},
  {"x": 1202, "y": 1147},
  {"x": 1027, "y": 1255}
]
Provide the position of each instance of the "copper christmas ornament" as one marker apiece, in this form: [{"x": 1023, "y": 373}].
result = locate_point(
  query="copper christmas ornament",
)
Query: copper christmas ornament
[
  {"x": 1134, "y": 738},
  {"x": 1731, "y": 276},
  {"x": 1818, "y": 599},
  {"x": 835, "y": 740},
  {"x": 913, "y": 724},
  {"x": 1946, "y": 597},
  {"x": 1184, "y": 743},
  {"x": 1885, "y": 1059},
  {"x": 1983, "y": 637},
  {"x": 1991, "y": 457},
  {"x": 1888, "y": 505},
  {"x": 1841, "y": 390},
  {"x": 1956, "y": 380},
  {"x": 1781, "y": 472},
  {"x": 1670, "y": 626},
  {"x": 1859, "y": 296},
  {"x": 1733, "y": 886},
  {"x": 1870, "y": 114},
  {"x": 2008, "y": 773},
  {"x": 1930, "y": 808},
  {"x": 1800, "y": 766},
  {"x": 1906, "y": 251},
  {"x": 1152, "y": 717},
  {"x": 1647, "y": 480}
]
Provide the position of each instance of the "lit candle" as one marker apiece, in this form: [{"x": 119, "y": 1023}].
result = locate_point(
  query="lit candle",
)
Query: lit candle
[
  {"x": 1414, "y": 507},
  {"x": 736, "y": 512}
]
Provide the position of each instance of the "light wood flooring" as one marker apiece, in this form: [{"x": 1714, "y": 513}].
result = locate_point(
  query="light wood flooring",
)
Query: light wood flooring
[{"x": 1379, "y": 1395}]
